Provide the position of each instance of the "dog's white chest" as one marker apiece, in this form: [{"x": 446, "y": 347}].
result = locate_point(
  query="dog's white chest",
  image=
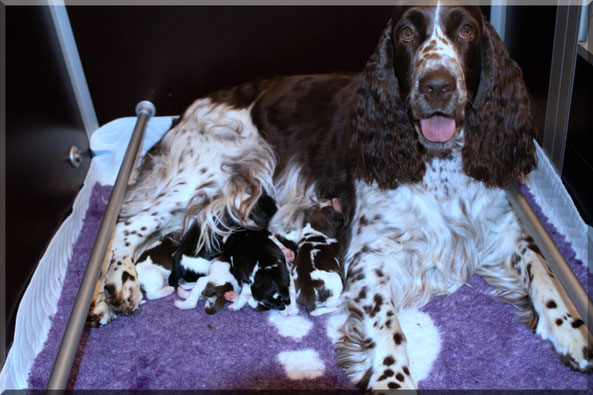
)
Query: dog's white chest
[{"x": 436, "y": 230}]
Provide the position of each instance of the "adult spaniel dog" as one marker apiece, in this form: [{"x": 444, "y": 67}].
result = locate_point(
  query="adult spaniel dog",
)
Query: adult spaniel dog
[{"x": 417, "y": 148}]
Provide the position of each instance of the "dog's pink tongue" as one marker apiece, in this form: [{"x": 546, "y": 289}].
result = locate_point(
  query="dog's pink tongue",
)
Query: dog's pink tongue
[{"x": 438, "y": 128}]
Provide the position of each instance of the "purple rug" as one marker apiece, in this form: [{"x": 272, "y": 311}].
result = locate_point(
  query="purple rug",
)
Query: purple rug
[{"x": 482, "y": 343}]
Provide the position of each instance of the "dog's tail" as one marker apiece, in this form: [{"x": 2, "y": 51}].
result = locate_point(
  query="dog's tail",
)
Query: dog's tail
[{"x": 355, "y": 350}]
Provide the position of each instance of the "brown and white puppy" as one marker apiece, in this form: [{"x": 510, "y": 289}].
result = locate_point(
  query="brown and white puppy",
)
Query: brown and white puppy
[
  {"x": 316, "y": 270},
  {"x": 154, "y": 267}
]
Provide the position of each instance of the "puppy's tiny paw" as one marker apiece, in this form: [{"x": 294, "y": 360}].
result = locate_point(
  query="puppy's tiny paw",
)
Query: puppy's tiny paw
[
  {"x": 184, "y": 305},
  {"x": 292, "y": 309},
  {"x": 182, "y": 293}
]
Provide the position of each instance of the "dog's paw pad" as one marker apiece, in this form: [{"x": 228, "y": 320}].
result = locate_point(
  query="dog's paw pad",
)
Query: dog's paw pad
[{"x": 99, "y": 315}]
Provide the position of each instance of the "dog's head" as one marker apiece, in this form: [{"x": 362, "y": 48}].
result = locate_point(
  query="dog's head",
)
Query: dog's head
[{"x": 436, "y": 72}]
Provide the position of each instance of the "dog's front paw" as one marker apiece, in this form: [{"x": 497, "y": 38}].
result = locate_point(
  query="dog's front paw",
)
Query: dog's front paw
[
  {"x": 582, "y": 363},
  {"x": 100, "y": 313},
  {"x": 391, "y": 378},
  {"x": 122, "y": 287},
  {"x": 570, "y": 338}
]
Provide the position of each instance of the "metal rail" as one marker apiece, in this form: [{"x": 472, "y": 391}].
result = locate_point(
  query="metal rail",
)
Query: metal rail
[
  {"x": 552, "y": 254},
  {"x": 67, "y": 351}
]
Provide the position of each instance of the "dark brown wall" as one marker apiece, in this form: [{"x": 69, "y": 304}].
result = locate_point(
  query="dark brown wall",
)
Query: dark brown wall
[
  {"x": 42, "y": 122},
  {"x": 529, "y": 37},
  {"x": 577, "y": 172},
  {"x": 173, "y": 55}
]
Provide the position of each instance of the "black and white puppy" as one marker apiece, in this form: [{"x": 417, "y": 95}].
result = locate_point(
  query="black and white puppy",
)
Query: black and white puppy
[
  {"x": 258, "y": 262},
  {"x": 316, "y": 270},
  {"x": 214, "y": 285},
  {"x": 212, "y": 279},
  {"x": 250, "y": 260},
  {"x": 259, "y": 265},
  {"x": 170, "y": 260},
  {"x": 189, "y": 264}
]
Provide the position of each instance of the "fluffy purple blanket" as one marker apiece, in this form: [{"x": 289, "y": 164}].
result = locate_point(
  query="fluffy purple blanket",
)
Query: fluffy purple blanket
[{"x": 468, "y": 340}]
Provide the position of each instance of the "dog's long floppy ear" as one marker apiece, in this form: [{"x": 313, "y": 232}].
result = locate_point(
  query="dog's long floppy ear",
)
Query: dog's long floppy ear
[
  {"x": 384, "y": 146},
  {"x": 499, "y": 129}
]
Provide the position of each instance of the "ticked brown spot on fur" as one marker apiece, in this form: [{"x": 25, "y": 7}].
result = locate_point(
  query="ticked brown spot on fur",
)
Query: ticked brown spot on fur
[
  {"x": 577, "y": 323},
  {"x": 125, "y": 276}
]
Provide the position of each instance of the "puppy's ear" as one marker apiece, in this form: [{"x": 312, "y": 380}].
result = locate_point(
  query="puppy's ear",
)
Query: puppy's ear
[
  {"x": 384, "y": 146},
  {"x": 284, "y": 294},
  {"x": 499, "y": 129}
]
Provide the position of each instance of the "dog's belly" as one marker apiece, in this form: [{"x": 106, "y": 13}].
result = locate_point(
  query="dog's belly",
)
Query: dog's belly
[{"x": 428, "y": 238}]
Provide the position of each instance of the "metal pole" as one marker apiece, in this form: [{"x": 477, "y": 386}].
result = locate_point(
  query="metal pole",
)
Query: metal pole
[
  {"x": 65, "y": 358},
  {"x": 564, "y": 60},
  {"x": 552, "y": 254}
]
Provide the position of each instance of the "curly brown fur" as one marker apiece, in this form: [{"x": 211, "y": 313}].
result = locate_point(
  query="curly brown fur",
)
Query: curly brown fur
[
  {"x": 499, "y": 129},
  {"x": 384, "y": 146}
]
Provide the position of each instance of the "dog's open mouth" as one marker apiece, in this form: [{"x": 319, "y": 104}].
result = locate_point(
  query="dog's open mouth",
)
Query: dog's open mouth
[{"x": 438, "y": 131}]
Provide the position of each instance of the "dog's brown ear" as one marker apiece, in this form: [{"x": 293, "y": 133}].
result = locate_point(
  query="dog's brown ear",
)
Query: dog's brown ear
[
  {"x": 499, "y": 129},
  {"x": 384, "y": 146}
]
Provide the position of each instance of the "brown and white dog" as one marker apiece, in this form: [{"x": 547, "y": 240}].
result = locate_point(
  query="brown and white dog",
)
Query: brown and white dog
[{"x": 417, "y": 148}]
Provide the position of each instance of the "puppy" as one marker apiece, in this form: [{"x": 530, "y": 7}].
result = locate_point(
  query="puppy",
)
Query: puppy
[
  {"x": 218, "y": 281},
  {"x": 259, "y": 265},
  {"x": 316, "y": 269},
  {"x": 154, "y": 268},
  {"x": 189, "y": 264},
  {"x": 241, "y": 253}
]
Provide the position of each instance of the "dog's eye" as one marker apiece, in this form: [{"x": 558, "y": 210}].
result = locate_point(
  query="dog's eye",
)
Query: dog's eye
[
  {"x": 407, "y": 34},
  {"x": 466, "y": 32}
]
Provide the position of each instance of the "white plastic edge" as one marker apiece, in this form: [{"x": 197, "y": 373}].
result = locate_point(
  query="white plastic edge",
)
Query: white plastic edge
[
  {"x": 40, "y": 300},
  {"x": 554, "y": 200}
]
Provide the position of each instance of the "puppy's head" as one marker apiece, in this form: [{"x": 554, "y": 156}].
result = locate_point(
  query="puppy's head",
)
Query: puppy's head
[
  {"x": 327, "y": 220},
  {"x": 271, "y": 281}
]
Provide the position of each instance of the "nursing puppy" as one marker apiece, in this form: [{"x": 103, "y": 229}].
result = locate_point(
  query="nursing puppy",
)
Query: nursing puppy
[
  {"x": 189, "y": 264},
  {"x": 259, "y": 265},
  {"x": 316, "y": 271},
  {"x": 244, "y": 253},
  {"x": 212, "y": 276},
  {"x": 213, "y": 286},
  {"x": 155, "y": 267}
]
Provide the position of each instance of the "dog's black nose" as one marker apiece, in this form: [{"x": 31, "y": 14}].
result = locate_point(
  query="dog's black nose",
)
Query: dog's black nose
[{"x": 437, "y": 85}]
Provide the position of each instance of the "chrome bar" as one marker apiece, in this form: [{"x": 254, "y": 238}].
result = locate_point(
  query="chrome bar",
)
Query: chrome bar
[
  {"x": 69, "y": 345},
  {"x": 552, "y": 254}
]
